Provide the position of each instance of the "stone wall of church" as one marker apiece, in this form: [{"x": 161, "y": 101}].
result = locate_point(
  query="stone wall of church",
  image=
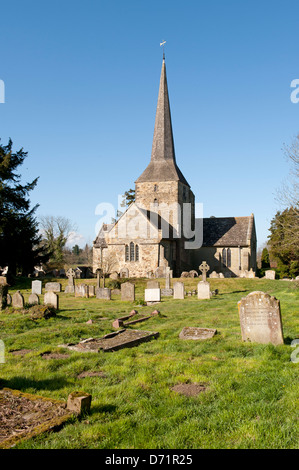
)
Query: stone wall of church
[{"x": 213, "y": 256}]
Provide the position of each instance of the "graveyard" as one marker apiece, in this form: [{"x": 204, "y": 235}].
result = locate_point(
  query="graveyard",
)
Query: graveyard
[{"x": 186, "y": 376}]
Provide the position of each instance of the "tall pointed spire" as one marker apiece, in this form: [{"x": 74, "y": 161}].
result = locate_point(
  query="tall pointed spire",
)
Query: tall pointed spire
[{"x": 162, "y": 166}]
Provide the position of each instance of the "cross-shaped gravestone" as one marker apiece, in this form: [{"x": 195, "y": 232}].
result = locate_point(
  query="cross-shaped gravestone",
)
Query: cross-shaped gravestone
[
  {"x": 204, "y": 268},
  {"x": 70, "y": 288}
]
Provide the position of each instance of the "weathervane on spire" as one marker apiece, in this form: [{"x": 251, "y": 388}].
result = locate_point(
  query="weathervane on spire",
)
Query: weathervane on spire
[{"x": 162, "y": 44}]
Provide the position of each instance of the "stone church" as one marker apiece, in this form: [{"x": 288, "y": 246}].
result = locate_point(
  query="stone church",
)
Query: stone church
[{"x": 160, "y": 230}]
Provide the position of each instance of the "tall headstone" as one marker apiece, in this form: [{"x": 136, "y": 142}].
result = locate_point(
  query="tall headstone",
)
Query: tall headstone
[
  {"x": 18, "y": 300},
  {"x": 70, "y": 288},
  {"x": 50, "y": 298},
  {"x": 92, "y": 291},
  {"x": 260, "y": 318},
  {"x": 179, "y": 290},
  {"x": 128, "y": 291},
  {"x": 167, "y": 291},
  {"x": 36, "y": 287}
]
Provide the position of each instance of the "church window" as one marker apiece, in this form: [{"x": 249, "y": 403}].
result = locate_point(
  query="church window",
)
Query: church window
[
  {"x": 127, "y": 257},
  {"x": 155, "y": 202},
  {"x": 224, "y": 256},
  {"x": 229, "y": 258},
  {"x": 132, "y": 251},
  {"x": 136, "y": 253},
  {"x": 155, "y": 188}
]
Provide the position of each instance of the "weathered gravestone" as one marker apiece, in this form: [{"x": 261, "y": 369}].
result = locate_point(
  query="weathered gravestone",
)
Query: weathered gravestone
[
  {"x": 18, "y": 300},
  {"x": 70, "y": 288},
  {"x": 53, "y": 287},
  {"x": 167, "y": 291},
  {"x": 124, "y": 272},
  {"x": 195, "y": 333},
  {"x": 203, "y": 290},
  {"x": 9, "y": 299},
  {"x": 260, "y": 318},
  {"x": 50, "y": 298},
  {"x": 270, "y": 274},
  {"x": 33, "y": 299},
  {"x": 36, "y": 287},
  {"x": 178, "y": 290},
  {"x": 103, "y": 293},
  {"x": 128, "y": 291},
  {"x": 82, "y": 290},
  {"x": 152, "y": 295},
  {"x": 204, "y": 268},
  {"x": 92, "y": 291},
  {"x": 153, "y": 285}
]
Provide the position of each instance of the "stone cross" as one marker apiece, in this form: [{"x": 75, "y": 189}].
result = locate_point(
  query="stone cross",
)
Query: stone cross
[{"x": 204, "y": 268}]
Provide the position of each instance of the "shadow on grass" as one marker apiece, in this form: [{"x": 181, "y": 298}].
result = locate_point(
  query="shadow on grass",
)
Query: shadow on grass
[
  {"x": 23, "y": 383},
  {"x": 102, "y": 409}
]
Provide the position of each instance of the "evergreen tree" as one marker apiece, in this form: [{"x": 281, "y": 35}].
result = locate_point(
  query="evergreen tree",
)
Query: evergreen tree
[{"x": 20, "y": 243}]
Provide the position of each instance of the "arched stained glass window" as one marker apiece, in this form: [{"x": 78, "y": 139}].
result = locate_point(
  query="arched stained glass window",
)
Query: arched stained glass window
[{"x": 136, "y": 253}]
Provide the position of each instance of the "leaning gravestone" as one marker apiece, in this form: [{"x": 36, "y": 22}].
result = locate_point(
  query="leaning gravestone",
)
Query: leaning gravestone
[
  {"x": 18, "y": 300},
  {"x": 260, "y": 318},
  {"x": 50, "y": 298},
  {"x": 36, "y": 287},
  {"x": 178, "y": 290},
  {"x": 33, "y": 299},
  {"x": 270, "y": 274},
  {"x": 128, "y": 291},
  {"x": 53, "y": 287},
  {"x": 152, "y": 295},
  {"x": 103, "y": 293}
]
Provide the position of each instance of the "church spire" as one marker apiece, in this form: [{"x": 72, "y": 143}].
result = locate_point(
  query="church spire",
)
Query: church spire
[{"x": 162, "y": 166}]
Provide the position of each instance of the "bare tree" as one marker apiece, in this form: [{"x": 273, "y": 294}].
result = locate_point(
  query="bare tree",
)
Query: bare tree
[{"x": 56, "y": 231}]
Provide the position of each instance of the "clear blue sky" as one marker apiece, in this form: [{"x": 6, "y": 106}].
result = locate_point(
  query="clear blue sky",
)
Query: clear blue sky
[{"x": 81, "y": 84}]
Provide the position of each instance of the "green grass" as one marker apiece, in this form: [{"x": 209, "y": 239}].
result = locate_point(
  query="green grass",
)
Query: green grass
[{"x": 251, "y": 399}]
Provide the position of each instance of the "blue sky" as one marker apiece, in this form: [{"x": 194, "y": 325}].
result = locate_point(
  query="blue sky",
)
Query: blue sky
[{"x": 81, "y": 85}]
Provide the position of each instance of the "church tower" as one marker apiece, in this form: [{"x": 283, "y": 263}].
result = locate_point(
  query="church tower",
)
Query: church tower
[{"x": 162, "y": 184}]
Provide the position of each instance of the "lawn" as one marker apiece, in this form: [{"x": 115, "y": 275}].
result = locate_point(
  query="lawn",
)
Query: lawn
[{"x": 249, "y": 391}]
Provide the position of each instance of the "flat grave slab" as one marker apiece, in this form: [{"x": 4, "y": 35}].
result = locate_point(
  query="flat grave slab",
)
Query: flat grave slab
[
  {"x": 197, "y": 333},
  {"x": 23, "y": 416},
  {"x": 113, "y": 341}
]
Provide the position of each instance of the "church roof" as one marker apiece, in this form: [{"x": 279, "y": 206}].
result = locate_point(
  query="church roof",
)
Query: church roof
[
  {"x": 227, "y": 231},
  {"x": 162, "y": 166}
]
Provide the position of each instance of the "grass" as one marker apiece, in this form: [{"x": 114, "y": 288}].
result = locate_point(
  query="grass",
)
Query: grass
[{"x": 251, "y": 396}]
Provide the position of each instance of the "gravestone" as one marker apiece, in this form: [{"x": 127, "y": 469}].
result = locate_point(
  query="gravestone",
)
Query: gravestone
[
  {"x": 153, "y": 285},
  {"x": 92, "y": 291},
  {"x": 82, "y": 291},
  {"x": 260, "y": 318},
  {"x": 124, "y": 272},
  {"x": 160, "y": 271},
  {"x": 193, "y": 273},
  {"x": 9, "y": 300},
  {"x": 50, "y": 298},
  {"x": 3, "y": 296},
  {"x": 214, "y": 275},
  {"x": 70, "y": 288},
  {"x": 33, "y": 299},
  {"x": 103, "y": 293},
  {"x": 53, "y": 287},
  {"x": 36, "y": 287},
  {"x": 178, "y": 290},
  {"x": 270, "y": 274},
  {"x": 167, "y": 291},
  {"x": 152, "y": 295},
  {"x": 204, "y": 268},
  {"x": 203, "y": 290},
  {"x": 128, "y": 291},
  {"x": 18, "y": 300},
  {"x": 197, "y": 333}
]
